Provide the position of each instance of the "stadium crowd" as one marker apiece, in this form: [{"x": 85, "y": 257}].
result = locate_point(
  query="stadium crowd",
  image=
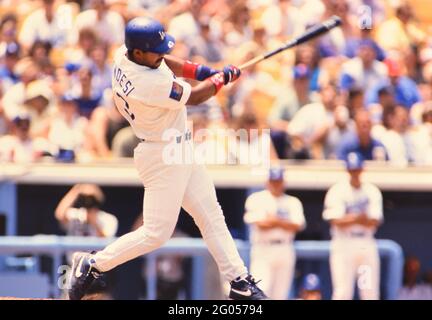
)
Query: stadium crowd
[{"x": 364, "y": 87}]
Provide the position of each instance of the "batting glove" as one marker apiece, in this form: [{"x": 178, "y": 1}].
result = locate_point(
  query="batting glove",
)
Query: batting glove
[{"x": 231, "y": 73}]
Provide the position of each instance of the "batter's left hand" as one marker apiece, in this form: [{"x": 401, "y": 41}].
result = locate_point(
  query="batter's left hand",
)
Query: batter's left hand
[{"x": 231, "y": 73}]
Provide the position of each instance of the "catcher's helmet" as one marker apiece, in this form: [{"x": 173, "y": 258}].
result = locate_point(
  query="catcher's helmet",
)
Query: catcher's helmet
[{"x": 147, "y": 34}]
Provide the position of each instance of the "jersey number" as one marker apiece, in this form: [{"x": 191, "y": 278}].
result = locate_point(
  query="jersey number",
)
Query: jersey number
[{"x": 126, "y": 107}]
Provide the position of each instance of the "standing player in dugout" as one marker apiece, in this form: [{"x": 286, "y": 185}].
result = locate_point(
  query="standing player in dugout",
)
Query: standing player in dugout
[{"x": 149, "y": 95}]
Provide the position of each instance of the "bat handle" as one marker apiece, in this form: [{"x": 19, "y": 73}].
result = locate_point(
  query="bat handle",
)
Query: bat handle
[{"x": 251, "y": 62}]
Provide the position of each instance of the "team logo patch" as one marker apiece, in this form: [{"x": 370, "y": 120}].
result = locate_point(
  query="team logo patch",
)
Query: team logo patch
[{"x": 176, "y": 91}]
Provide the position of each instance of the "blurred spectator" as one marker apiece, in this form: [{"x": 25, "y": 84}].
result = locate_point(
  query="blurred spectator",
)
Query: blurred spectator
[
  {"x": 395, "y": 137},
  {"x": 253, "y": 145},
  {"x": 275, "y": 218},
  {"x": 355, "y": 101},
  {"x": 210, "y": 146},
  {"x": 105, "y": 123},
  {"x": 8, "y": 31},
  {"x": 304, "y": 127},
  {"x": 85, "y": 92},
  {"x": 311, "y": 288},
  {"x": 39, "y": 104},
  {"x": 306, "y": 56},
  {"x": 237, "y": 29},
  {"x": 334, "y": 43},
  {"x": 9, "y": 59},
  {"x": 147, "y": 6},
  {"x": 80, "y": 214},
  {"x": 364, "y": 71},
  {"x": 256, "y": 90},
  {"x": 421, "y": 139},
  {"x": 100, "y": 68},
  {"x": 67, "y": 130},
  {"x": 206, "y": 44},
  {"x": 40, "y": 53},
  {"x": 403, "y": 89},
  {"x": 353, "y": 44},
  {"x": 400, "y": 33},
  {"x": 333, "y": 133},
  {"x": 285, "y": 106},
  {"x": 386, "y": 100},
  {"x": 361, "y": 140},
  {"x": 283, "y": 19},
  {"x": 418, "y": 109},
  {"x": 108, "y": 24},
  {"x": 13, "y": 100},
  {"x": 313, "y": 10},
  {"x": 412, "y": 289},
  {"x": 45, "y": 24},
  {"x": 185, "y": 26},
  {"x": 18, "y": 146},
  {"x": 79, "y": 54}
]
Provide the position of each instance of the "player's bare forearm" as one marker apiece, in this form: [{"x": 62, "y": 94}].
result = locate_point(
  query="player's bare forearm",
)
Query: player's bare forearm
[
  {"x": 175, "y": 64},
  {"x": 348, "y": 220},
  {"x": 67, "y": 202},
  {"x": 264, "y": 225},
  {"x": 369, "y": 223},
  {"x": 201, "y": 93},
  {"x": 271, "y": 223},
  {"x": 288, "y": 226}
]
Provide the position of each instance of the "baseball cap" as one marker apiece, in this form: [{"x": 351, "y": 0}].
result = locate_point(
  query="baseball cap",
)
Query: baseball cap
[
  {"x": 12, "y": 49},
  {"x": 276, "y": 173},
  {"x": 394, "y": 67},
  {"x": 354, "y": 161},
  {"x": 301, "y": 71},
  {"x": 38, "y": 88},
  {"x": 72, "y": 66},
  {"x": 311, "y": 282}
]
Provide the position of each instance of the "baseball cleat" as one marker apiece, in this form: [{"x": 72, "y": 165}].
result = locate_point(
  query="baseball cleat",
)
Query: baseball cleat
[
  {"x": 83, "y": 274},
  {"x": 246, "y": 289}
]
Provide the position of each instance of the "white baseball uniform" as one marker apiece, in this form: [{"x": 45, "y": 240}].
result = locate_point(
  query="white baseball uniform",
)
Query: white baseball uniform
[
  {"x": 272, "y": 254},
  {"x": 153, "y": 101},
  {"x": 354, "y": 253}
]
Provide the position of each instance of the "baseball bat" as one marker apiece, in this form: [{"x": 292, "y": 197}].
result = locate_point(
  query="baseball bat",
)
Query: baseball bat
[{"x": 309, "y": 34}]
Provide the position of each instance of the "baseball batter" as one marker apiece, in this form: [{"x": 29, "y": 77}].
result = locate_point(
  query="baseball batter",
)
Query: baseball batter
[
  {"x": 275, "y": 218},
  {"x": 354, "y": 210},
  {"x": 150, "y": 95}
]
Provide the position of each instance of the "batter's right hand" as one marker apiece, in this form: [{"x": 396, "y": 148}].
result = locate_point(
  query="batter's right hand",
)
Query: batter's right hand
[{"x": 231, "y": 73}]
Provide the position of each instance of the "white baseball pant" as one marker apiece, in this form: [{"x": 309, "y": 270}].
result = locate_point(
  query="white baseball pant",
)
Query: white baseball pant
[
  {"x": 274, "y": 266},
  {"x": 168, "y": 187},
  {"x": 355, "y": 261}
]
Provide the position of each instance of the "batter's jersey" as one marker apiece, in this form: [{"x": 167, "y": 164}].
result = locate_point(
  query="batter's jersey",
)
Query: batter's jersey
[
  {"x": 152, "y": 100},
  {"x": 343, "y": 198},
  {"x": 261, "y": 203}
]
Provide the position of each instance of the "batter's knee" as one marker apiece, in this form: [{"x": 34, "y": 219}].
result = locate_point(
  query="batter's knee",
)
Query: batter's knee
[{"x": 156, "y": 237}]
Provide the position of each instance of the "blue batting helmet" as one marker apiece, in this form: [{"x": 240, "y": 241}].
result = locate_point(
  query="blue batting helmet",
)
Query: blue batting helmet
[{"x": 147, "y": 34}]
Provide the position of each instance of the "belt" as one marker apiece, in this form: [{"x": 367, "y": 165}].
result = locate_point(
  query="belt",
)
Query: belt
[
  {"x": 178, "y": 139},
  {"x": 273, "y": 242},
  {"x": 357, "y": 234}
]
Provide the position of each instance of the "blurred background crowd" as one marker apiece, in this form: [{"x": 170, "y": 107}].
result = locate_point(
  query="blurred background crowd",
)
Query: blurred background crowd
[{"x": 365, "y": 87}]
